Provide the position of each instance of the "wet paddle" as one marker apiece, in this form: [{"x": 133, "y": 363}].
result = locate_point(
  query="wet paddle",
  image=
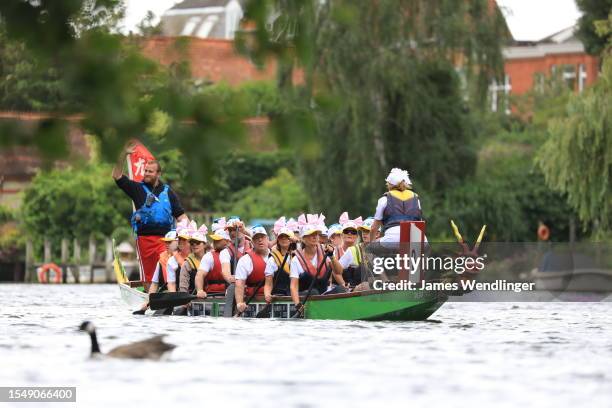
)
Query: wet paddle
[
  {"x": 231, "y": 289},
  {"x": 229, "y": 300},
  {"x": 142, "y": 311},
  {"x": 327, "y": 275},
  {"x": 158, "y": 301}
]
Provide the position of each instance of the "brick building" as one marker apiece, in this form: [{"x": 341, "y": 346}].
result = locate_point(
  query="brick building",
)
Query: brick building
[
  {"x": 214, "y": 60},
  {"x": 19, "y": 164},
  {"x": 527, "y": 64}
]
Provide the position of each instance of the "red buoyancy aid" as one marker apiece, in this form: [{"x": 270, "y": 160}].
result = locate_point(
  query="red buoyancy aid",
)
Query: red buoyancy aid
[
  {"x": 257, "y": 275},
  {"x": 232, "y": 250},
  {"x": 309, "y": 267},
  {"x": 214, "y": 277},
  {"x": 339, "y": 252}
]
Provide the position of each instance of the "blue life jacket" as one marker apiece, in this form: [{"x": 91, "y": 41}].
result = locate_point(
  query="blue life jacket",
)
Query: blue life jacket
[
  {"x": 398, "y": 210},
  {"x": 156, "y": 211}
]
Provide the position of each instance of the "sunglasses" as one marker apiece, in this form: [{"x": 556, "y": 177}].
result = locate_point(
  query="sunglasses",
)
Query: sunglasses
[
  {"x": 350, "y": 232},
  {"x": 195, "y": 242}
]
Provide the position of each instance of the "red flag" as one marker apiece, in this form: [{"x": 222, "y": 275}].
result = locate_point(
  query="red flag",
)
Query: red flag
[{"x": 137, "y": 161}]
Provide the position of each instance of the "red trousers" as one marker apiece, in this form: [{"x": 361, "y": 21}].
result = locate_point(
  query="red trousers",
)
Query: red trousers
[{"x": 149, "y": 247}]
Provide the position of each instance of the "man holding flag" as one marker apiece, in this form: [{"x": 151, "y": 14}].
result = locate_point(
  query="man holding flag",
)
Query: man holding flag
[{"x": 156, "y": 205}]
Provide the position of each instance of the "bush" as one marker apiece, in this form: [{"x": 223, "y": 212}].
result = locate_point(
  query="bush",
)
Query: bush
[
  {"x": 74, "y": 203},
  {"x": 277, "y": 196}
]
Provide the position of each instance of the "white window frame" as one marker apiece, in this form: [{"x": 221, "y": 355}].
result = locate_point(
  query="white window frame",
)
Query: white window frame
[
  {"x": 494, "y": 90},
  {"x": 569, "y": 74},
  {"x": 582, "y": 77}
]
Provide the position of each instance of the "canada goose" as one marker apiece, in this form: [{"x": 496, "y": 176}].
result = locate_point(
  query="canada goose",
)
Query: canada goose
[{"x": 152, "y": 348}]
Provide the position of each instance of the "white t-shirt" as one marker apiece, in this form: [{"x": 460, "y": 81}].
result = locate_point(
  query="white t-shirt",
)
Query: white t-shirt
[
  {"x": 347, "y": 259},
  {"x": 296, "y": 267},
  {"x": 245, "y": 267},
  {"x": 172, "y": 268},
  {"x": 271, "y": 266},
  {"x": 226, "y": 256},
  {"x": 156, "y": 274},
  {"x": 207, "y": 262}
]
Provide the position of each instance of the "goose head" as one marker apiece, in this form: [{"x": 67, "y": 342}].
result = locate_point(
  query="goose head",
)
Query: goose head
[{"x": 88, "y": 327}]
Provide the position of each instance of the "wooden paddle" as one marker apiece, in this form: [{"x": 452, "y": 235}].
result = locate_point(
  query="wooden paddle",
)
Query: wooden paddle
[
  {"x": 231, "y": 289},
  {"x": 314, "y": 278},
  {"x": 229, "y": 301},
  {"x": 158, "y": 301}
]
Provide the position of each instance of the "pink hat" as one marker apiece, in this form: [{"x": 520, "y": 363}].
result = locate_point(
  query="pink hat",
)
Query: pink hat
[
  {"x": 346, "y": 223},
  {"x": 200, "y": 234}
]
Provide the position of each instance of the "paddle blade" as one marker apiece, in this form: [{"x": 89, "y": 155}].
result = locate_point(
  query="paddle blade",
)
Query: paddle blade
[
  {"x": 265, "y": 312},
  {"x": 158, "y": 301}
]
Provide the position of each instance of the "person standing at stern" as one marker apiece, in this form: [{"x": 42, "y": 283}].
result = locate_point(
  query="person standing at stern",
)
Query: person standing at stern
[{"x": 157, "y": 208}]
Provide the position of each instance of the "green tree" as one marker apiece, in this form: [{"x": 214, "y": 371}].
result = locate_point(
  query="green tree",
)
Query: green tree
[
  {"x": 117, "y": 90},
  {"x": 74, "y": 204},
  {"x": 577, "y": 157},
  {"x": 380, "y": 90},
  {"x": 592, "y": 12},
  {"x": 26, "y": 83},
  {"x": 276, "y": 196}
]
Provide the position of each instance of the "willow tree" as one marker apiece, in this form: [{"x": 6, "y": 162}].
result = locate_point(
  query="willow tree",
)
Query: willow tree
[
  {"x": 386, "y": 83},
  {"x": 577, "y": 157}
]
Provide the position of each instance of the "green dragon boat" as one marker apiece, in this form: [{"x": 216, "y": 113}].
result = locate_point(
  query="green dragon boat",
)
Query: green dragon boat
[{"x": 362, "y": 305}]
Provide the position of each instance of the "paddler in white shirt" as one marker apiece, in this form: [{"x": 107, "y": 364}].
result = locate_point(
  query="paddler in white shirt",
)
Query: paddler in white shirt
[
  {"x": 253, "y": 272},
  {"x": 351, "y": 257},
  {"x": 334, "y": 234},
  {"x": 175, "y": 263},
  {"x": 282, "y": 253},
  {"x": 161, "y": 269},
  {"x": 306, "y": 262},
  {"x": 209, "y": 278},
  {"x": 230, "y": 256}
]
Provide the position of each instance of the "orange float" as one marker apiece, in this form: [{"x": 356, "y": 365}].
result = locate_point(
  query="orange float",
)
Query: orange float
[
  {"x": 543, "y": 232},
  {"x": 49, "y": 273}
]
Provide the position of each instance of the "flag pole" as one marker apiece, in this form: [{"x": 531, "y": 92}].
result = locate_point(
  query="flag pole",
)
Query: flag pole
[{"x": 128, "y": 159}]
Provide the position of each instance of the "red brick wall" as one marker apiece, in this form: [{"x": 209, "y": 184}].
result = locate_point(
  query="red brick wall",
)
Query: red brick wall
[
  {"x": 523, "y": 70},
  {"x": 212, "y": 59}
]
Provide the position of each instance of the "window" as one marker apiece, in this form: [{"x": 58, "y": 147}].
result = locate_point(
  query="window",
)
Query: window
[
  {"x": 569, "y": 76},
  {"x": 582, "y": 77},
  {"x": 500, "y": 95},
  {"x": 539, "y": 82},
  {"x": 190, "y": 25}
]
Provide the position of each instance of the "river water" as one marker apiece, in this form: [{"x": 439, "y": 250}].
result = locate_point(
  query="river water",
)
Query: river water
[{"x": 467, "y": 354}]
